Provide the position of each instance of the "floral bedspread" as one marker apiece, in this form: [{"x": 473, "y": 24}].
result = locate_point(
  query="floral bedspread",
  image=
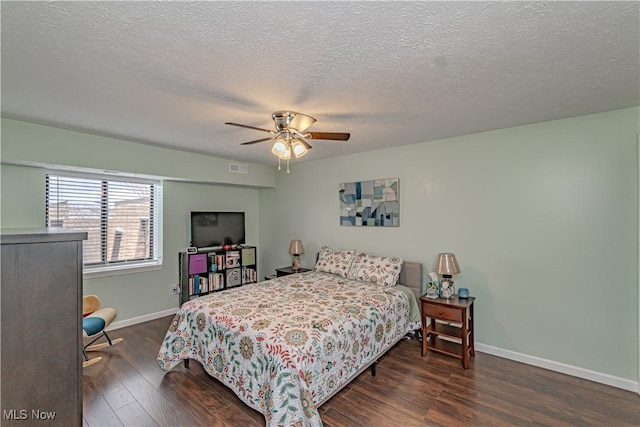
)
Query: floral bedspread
[{"x": 286, "y": 344}]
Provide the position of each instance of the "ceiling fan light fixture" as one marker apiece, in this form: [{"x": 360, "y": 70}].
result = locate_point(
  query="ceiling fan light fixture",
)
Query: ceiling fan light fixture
[
  {"x": 300, "y": 148},
  {"x": 290, "y": 134},
  {"x": 281, "y": 149}
]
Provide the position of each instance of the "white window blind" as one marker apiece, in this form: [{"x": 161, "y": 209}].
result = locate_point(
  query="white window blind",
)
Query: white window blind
[{"x": 121, "y": 217}]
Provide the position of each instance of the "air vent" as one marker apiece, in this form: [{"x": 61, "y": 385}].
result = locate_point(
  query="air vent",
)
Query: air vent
[{"x": 238, "y": 168}]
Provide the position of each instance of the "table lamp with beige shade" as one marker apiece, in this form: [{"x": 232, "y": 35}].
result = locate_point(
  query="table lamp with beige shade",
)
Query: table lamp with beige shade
[{"x": 447, "y": 266}]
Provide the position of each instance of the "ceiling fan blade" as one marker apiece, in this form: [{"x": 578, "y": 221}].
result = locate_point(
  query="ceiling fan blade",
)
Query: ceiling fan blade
[
  {"x": 256, "y": 141},
  {"x": 335, "y": 136},
  {"x": 250, "y": 127},
  {"x": 301, "y": 122}
]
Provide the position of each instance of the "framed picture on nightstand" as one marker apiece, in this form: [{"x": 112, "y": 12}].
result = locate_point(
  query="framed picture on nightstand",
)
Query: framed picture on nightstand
[{"x": 433, "y": 290}]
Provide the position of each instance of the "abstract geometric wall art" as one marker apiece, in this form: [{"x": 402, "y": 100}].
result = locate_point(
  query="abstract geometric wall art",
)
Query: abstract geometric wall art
[{"x": 370, "y": 203}]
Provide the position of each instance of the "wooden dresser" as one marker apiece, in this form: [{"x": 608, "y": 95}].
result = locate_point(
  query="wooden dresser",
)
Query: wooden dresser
[{"x": 41, "y": 314}]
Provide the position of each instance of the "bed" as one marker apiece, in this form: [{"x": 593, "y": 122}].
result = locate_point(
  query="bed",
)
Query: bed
[{"x": 287, "y": 345}]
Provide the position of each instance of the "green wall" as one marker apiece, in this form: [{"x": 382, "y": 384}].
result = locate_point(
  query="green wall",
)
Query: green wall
[
  {"x": 22, "y": 196},
  {"x": 542, "y": 218},
  {"x": 31, "y": 144},
  {"x": 27, "y": 148}
]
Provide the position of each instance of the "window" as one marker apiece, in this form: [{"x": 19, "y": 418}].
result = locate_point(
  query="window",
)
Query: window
[{"x": 120, "y": 216}]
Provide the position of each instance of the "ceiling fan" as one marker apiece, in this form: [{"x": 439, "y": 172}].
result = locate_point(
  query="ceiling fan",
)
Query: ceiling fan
[{"x": 290, "y": 134}]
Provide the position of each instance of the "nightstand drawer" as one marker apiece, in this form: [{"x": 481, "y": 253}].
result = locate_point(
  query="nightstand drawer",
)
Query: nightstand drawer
[{"x": 442, "y": 313}]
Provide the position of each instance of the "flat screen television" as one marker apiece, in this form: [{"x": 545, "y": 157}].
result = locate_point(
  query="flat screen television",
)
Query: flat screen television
[{"x": 210, "y": 229}]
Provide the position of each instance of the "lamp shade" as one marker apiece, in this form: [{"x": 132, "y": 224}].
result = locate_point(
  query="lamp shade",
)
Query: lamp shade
[
  {"x": 300, "y": 147},
  {"x": 447, "y": 264},
  {"x": 296, "y": 247},
  {"x": 282, "y": 149}
]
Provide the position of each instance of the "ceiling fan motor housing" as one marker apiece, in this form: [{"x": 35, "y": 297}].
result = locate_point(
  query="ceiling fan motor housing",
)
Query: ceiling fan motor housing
[{"x": 294, "y": 122}]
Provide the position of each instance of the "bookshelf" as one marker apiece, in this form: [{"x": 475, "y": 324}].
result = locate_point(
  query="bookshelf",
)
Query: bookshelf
[{"x": 214, "y": 270}]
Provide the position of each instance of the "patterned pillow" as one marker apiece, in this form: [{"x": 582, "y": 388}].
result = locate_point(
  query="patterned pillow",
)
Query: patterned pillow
[
  {"x": 383, "y": 271},
  {"x": 335, "y": 262}
]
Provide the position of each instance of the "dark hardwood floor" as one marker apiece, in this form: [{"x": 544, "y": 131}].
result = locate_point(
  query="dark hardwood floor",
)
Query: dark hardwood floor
[{"x": 127, "y": 388}]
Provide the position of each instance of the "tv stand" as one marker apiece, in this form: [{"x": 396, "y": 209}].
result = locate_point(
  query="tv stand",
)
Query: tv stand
[{"x": 216, "y": 269}]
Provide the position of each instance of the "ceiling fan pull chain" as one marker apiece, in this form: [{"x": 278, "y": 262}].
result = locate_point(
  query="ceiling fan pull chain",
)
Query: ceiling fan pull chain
[
  {"x": 279, "y": 167},
  {"x": 288, "y": 171}
]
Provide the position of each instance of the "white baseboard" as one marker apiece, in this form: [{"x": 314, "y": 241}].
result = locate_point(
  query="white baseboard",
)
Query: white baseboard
[
  {"x": 560, "y": 367},
  {"x": 142, "y": 319}
]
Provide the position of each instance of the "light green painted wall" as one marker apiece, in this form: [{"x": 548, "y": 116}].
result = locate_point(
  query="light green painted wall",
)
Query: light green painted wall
[
  {"x": 22, "y": 200},
  {"x": 28, "y": 143},
  {"x": 542, "y": 218},
  {"x": 22, "y": 196}
]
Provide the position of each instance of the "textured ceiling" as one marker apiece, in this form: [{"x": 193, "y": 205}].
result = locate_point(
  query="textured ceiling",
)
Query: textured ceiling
[{"x": 390, "y": 73}]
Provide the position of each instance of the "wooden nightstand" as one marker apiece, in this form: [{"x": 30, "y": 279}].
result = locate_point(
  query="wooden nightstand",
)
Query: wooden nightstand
[
  {"x": 455, "y": 310},
  {"x": 285, "y": 271}
]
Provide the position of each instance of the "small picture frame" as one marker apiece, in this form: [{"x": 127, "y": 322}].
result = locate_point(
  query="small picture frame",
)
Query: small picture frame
[{"x": 433, "y": 290}]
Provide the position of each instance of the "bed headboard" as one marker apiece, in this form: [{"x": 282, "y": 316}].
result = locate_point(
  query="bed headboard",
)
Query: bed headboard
[{"x": 411, "y": 276}]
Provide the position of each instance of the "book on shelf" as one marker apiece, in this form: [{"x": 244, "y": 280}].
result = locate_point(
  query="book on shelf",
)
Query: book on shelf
[
  {"x": 199, "y": 285},
  {"x": 220, "y": 262},
  {"x": 249, "y": 275},
  {"x": 216, "y": 281}
]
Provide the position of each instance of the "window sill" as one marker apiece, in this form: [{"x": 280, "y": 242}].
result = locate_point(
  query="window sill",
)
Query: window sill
[{"x": 114, "y": 270}]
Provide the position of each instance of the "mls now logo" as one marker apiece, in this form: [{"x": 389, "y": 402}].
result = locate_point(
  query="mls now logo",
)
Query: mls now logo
[{"x": 23, "y": 414}]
